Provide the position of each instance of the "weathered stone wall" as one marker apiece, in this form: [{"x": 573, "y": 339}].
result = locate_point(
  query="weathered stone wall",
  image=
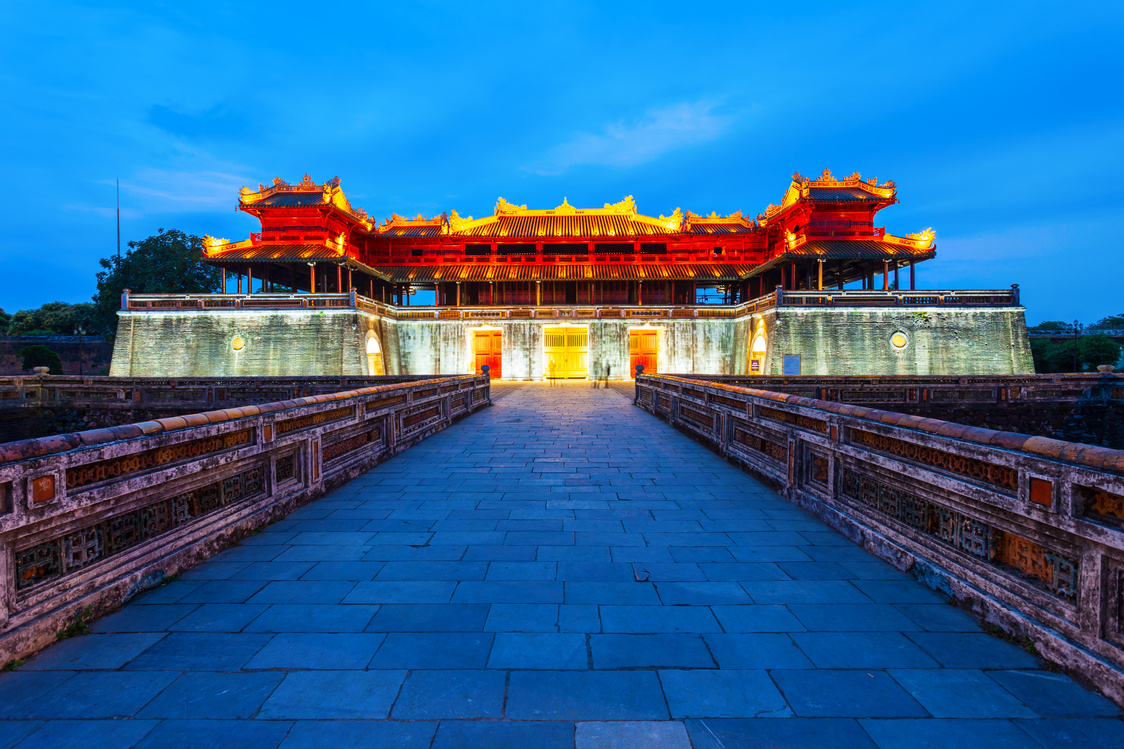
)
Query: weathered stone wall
[
  {"x": 830, "y": 341},
  {"x": 196, "y": 344},
  {"x": 938, "y": 340},
  {"x": 445, "y": 346}
]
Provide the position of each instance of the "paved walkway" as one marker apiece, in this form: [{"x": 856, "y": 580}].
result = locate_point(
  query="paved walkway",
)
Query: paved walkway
[{"x": 560, "y": 570}]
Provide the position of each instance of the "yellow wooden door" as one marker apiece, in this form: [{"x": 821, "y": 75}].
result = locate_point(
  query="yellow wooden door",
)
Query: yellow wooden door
[{"x": 566, "y": 353}]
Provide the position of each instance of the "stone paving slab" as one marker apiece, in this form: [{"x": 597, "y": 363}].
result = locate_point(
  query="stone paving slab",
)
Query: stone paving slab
[{"x": 560, "y": 570}]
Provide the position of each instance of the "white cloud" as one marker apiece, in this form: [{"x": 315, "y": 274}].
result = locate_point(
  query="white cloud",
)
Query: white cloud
[
  {"x": 625, "y": 144},
  {"x": 171, "y": 191}
]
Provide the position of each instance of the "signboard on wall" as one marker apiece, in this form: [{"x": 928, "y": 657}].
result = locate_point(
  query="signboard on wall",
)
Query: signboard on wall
[
  {"x": 755, "y": 366},
  {"x": 792, "y": 364}
]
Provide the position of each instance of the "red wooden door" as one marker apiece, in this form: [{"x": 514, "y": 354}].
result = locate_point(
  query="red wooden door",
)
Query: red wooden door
[
  {"x": 643, "y": 347},
  {"x": 488, "y": 349}
]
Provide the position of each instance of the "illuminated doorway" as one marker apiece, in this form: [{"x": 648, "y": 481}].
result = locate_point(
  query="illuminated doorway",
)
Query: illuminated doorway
[
  {"x": 643, "y": 348},
  {"x": 374, "y": 357},
  {"x": 565, "y": 352},
  {"x": 757, "y": 349},
  {"x": 487, "y": 348}
]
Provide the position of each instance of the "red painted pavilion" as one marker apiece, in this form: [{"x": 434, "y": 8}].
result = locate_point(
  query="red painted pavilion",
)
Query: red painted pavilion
[{"x": 821, "y": 236}]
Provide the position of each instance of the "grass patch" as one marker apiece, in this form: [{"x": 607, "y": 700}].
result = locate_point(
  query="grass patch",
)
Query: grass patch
[
  {"x": 13, "y": 665},
  {"x": 80, "y": 625},
  {"x": 1023, "y": 642}
]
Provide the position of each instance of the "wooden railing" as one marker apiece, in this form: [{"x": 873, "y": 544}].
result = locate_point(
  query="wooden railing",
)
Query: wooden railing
[
  {"x": 93, "y": 517},
  {"x": 1027, "y": 531},
  {"x": 778, "y": 298}
]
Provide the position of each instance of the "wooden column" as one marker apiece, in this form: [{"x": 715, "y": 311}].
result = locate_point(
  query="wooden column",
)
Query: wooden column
[
  {"x": 223, "y": 280},
  {"x": 492, "y": 293},
  {"x": 897, "y": 286},
  {"x": 639, "y": 293},
  {"x": 339, "y": 279},
  {"x": 312, "y": 278},
  {"x": 249, "y": 279},
  {"x": 458, "y": 293},
  {"x": 819, "y": 284},
  {"x": 885, "y": 275},
  {"x": 239, "y": 283},
  {"x": 538, "y": 292},
  {"x": 840, "y": 279}
]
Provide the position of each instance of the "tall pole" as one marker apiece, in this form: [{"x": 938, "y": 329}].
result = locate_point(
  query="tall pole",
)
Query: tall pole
[{"x": 118, "y": 219}]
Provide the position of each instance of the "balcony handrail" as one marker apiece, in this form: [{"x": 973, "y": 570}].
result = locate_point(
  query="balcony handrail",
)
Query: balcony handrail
[{"x": 777, "y": 298}]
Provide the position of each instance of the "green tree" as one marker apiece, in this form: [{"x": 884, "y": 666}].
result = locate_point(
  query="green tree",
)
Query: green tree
[
  {"x": 1112, "y": 322},
  {"x": 1057, "y": 356},
  {"x": 5, "y": 318},
  {"x": 168, "y": 262},
  {"x": 56, "y": 318},
  {"x": 39, "y": 355},
  {"x": 1095, "y": 350},
  {"x": 1051, "y": 326}
]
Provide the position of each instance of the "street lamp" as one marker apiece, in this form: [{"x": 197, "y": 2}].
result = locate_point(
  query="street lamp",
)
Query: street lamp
[
  {"x": 80, "y": 331},
  {"x": 1076, "y": 329}
]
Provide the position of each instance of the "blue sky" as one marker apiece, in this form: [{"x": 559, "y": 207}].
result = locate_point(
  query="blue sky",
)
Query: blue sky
[{"x": 1001, "y": 123}]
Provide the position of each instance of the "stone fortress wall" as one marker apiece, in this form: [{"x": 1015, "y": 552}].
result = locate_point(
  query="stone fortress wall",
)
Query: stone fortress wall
[{"x": 839, "y": 340}]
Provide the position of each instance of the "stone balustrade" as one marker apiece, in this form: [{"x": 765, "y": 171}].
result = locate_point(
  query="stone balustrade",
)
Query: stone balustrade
[
  {"x": 89, "y": 519},
  {"x": 199, "y": 393},
  {"x": 773, "y": 299},
  {"x": 898, "y": 390},
  {"x": 1026, "y": 531}
]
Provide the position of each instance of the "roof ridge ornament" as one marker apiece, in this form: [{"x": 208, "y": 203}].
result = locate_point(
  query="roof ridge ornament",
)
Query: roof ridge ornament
[
  {"x": 625, "y": 205},
  {"x": 565, "y": 208},
  {"x": 504, "y": 208},
  {"x": 674, "y": 222}
]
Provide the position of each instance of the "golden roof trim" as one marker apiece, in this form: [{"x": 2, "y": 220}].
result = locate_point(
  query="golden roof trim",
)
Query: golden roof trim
[
  {"x": 333, "y": 195},
  {"x": 801, "y": 187},
  {"x": 922, "y": 240}
]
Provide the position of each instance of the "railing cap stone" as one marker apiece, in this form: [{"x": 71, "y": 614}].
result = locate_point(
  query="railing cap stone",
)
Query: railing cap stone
[
  {"x": 149, "y": 427},
  {"x": 173, "y": 422}
]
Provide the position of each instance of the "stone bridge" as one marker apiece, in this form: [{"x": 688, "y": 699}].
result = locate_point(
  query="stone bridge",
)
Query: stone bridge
[{"x": 565, "y": 570}]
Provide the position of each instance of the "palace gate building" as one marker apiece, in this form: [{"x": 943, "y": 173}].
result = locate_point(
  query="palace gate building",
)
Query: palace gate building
[{"x": 809, "y": 286}]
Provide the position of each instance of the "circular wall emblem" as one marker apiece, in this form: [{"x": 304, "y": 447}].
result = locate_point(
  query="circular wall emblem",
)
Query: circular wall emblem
[
  {"x": 898, "y": 340},
  {"x": 238, "y": 343}
]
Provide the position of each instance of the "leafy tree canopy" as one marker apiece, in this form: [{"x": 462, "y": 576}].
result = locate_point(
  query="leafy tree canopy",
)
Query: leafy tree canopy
[
  {"x": 168, "y": 262},
  {"x": 1052, "y": 325},
  {"x": 56, "y": 318},
  {"x": 1057, "y": 356},
  {"x": 41, "y": 356},
  {"x": 1112, "y": 322}
]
